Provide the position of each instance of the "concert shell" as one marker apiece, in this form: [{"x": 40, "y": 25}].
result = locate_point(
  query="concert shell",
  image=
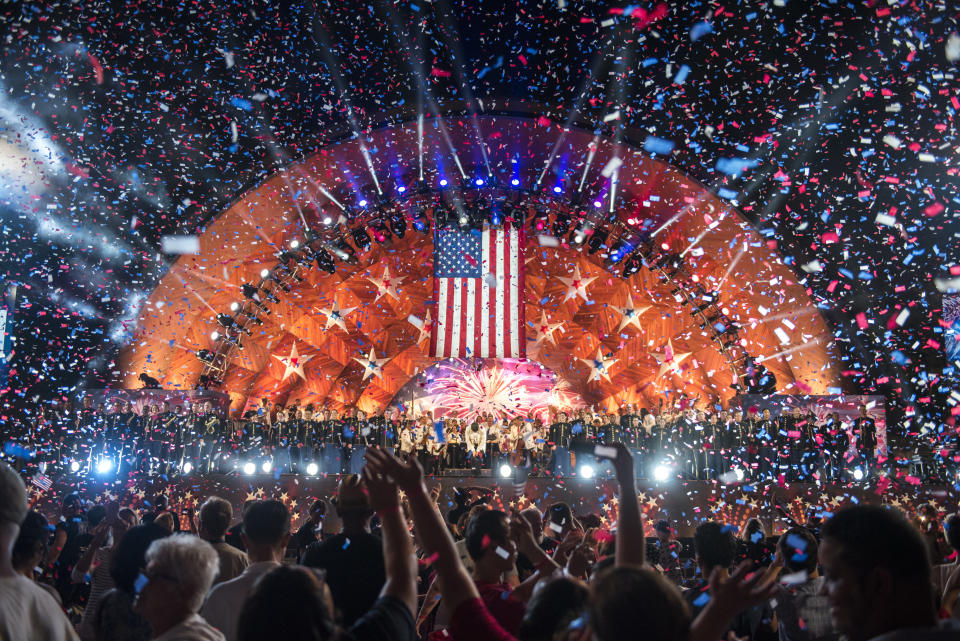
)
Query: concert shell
[{"x": 720, "y": 247}]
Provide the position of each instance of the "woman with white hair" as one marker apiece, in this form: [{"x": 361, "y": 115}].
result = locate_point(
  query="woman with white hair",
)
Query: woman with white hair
[{"x": 180, "y": 571}]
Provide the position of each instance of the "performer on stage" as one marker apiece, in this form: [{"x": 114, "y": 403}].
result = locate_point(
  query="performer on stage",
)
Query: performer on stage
[
  {"x": 839, "y": 446},
  {"x": 212, "y": 433},
  {"x": 454, "y": 447},
  {"x": 865, "y": 430},
  {"x": 558, "y": 438},
  {"x": 407, "y": 438},
  {"x": 810, "y": 445},
  {"x": 748, "y": 445},
  {"x": 476, "y": 444},
  {"x": 766, "y": 431}
]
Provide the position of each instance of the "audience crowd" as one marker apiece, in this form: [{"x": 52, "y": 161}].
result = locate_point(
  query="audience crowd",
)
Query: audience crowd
[{"x": 399, "y": 569}]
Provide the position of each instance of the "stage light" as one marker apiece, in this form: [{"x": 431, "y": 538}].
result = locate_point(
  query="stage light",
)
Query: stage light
[
  {"x": 661, "y": 472},
  {"x": 505, "y": 471},
  {"x": 264, "y": 273},
  {"x": 586, "y": 471},
  {"x": 858, "y": 474},
  {"x": 515, "y": 182},
  {"x": 363, "y": 202},
  {"x": 360, "y": 237},
  {"x": 343, "y": 251},
  {"x": 312, "y": 469},
  {"x": 561, "y": 225},
  {"x": 597, "y": 204},
  {"x": 380, "y": 233},
  {"x": 187, "y": 467},
  {"x": 327, "y": 219},
  {"x": 266, "y": 467},
  {"x": 398, "y": 225},
  {"x": 725, "y": 311},
  {"x": 214, "y": 336},
  {"x": 738, "y": 473},
  {"x": 401, "y": 189},
  {"x": 596, "y": 240},
  {"x": 632, "y": 265},
  {"x": 74, "y": 466},
  {"x": 478, "y": 182},
  {"x": 443, "y": 182},
  {"x": 325, "y": 261},
  {"x": 557, "y": 189},
  {"x": 619, "y": 249},
  {"x": 234, "y": 306},
  {"x": 294, "y": 243},
  {"x": 463, "y": 220},
  {"x": 249, "y": 468},
  {"x": 104, "y": 466},
  {"x": 205, "y": 355}
]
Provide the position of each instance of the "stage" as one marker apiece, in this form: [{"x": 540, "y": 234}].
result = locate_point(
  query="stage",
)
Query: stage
[{"x": 683, "y": 503}]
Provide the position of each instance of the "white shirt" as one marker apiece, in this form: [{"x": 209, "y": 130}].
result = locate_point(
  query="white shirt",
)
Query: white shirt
[
  {"x": 193, "y": 628},
  {"x": 222, "y": 609},
  {"x": 476, "y": 441},
  {"x": 406, "y": 440},
  {"x": 28, "y": 612}
]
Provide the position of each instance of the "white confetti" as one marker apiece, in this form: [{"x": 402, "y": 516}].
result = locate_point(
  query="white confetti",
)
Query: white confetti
[
  {"x": 884, "y": 219},
  {"x": 611, "y": 166},
  {"x": 180, "y": 245}
]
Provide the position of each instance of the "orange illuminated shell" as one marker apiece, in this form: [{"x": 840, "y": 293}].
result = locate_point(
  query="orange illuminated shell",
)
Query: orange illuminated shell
[{"x": 759, "y": 291}]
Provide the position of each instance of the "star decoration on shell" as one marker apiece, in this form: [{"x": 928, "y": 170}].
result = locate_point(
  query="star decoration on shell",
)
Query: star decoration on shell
[
  {"x": 293, "y": 363},
  {"x": 372, "y": 365},
  {"x": 599, "y": 366},
  {"x": 336, "y": 317},
  {"x": 577, "y": 285},
  {"x": 631, "y": 314},
  {"x": 386, "y": 285},
  {"x": 545, "y": 329}
]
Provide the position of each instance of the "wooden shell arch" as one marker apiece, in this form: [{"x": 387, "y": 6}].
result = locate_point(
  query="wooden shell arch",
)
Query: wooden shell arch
[{"x": 726, "y": 254}]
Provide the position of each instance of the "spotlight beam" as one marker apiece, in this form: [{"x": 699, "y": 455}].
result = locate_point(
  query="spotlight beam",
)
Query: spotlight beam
[{"x": 592, "y": 147}]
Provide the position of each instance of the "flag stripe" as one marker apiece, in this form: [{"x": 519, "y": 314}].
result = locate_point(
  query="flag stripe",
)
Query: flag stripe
[
  {"x": 514, "y": 294},
  {"x": 484, "y": 319},
  {"x": 498, "y": 260},
  {"x": 457, "y": 316},
  {"x": 440, "y": 328}
]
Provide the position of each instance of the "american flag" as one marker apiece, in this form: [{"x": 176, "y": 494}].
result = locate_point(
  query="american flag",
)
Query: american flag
[
  {"x": 43, "y": 482},
  {"x": 478, "y": 287}
]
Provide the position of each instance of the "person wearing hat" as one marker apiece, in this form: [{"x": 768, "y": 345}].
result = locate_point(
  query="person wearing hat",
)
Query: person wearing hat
[
  {"x": 353, "y": 558},
  {"x": 26, "y": 610}
]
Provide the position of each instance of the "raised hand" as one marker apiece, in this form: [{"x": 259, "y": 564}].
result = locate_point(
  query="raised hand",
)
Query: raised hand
[
  {"x": 381, "y": 489},
  {"x": 522, "y": 535},
  {"x": 623, "y": 464},
  {"x": 407, "y": 475},
  {"x": 744, "y": 589}
]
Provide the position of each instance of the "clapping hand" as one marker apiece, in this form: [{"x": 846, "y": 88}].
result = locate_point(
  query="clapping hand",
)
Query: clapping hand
[
  {"x": 381, "y": 489},
  {"x": 742, "y": 590},
  {"x": 407, "y": 475}
]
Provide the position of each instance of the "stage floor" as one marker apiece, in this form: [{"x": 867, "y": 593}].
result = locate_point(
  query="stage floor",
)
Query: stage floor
[{"x": 684, "y": 503}]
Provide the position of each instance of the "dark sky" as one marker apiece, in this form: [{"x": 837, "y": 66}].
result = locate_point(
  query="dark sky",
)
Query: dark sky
[{"x": 840, "y": 112}]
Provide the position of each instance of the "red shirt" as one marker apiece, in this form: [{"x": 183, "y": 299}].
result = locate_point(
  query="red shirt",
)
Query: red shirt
[
  {"x": 471, "y": 621},
  {"x": 505, "y": 608}
]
